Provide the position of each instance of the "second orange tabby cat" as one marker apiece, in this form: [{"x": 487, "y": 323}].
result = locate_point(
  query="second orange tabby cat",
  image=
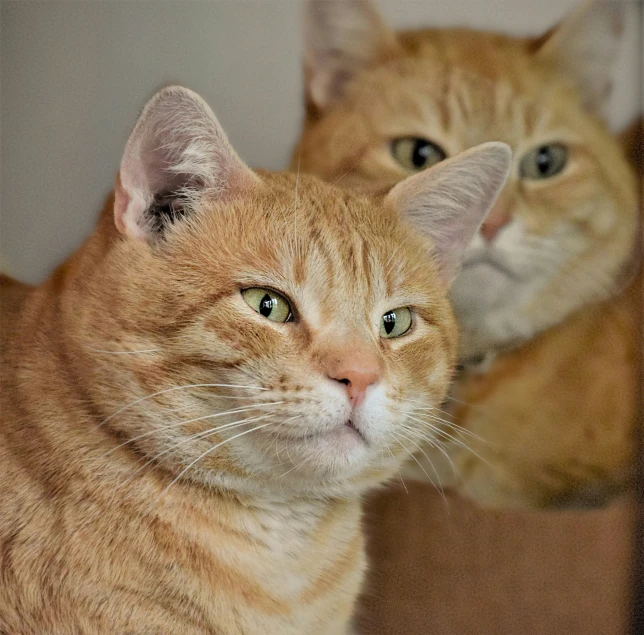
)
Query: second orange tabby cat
[{"x": 536, "y": 300}]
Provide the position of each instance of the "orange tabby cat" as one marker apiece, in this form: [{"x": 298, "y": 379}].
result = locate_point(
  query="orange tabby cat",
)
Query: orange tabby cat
[
  {"x": 194, "y": 402},
  {"x": 536, "y": 298}
]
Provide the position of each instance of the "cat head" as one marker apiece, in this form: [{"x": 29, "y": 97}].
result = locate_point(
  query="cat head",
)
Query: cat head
[
  {"x": 382, "y": 106},
  {"x": 271, "y": 330}
]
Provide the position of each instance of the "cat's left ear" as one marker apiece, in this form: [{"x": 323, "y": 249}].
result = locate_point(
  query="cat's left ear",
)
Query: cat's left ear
[
  {"x": 342, "y": 38},
  {"x": 584, "y": 46},
  {"x": 449, "y": 202},
  {"x": 176, "y": 154}
]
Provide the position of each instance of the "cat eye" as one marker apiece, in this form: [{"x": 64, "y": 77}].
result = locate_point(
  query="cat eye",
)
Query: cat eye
[
  {"x": 268, "y": 303},
  {"x": 415, "y": 153},
  {"x": 544, "y": 161},
  {"x": 395, "y": 323}
]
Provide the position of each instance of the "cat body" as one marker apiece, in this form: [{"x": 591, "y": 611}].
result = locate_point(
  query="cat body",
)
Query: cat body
[
  {"x": 570, "y": 393},
  {"x": 548, "y": 295},
  {"x": 194, "y": 403}
]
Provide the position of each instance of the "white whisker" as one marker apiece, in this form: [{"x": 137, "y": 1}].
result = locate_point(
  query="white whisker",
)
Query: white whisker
[
  {"x": 439, "y": 487},
  {"x": 201, "y": 456},
  {"x": 193, "y": 437},
  {"x": 458, "y": 429},
  {"x": 454, "y": 469},
  {"x": 451, "y": 437},
  {"x": 464, "y": 403},
  {"x": 345, "y": 173},
  {"x": 449, "y": 459},
  {"x": 393, "y": 458},
  {"x": 159, "y": 429},
  {"x": 148, "y": 350},
  {"x": 162, "y": 392}
]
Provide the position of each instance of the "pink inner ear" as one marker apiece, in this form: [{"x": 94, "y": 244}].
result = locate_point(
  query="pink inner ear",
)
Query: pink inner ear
[
  {"x": 127, "y": 212},
  {"x": 121, "y": 201}
]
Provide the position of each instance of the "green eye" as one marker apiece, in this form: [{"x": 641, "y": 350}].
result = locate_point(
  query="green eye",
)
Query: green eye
[
  {"x": 271, "y": 305},
  {"x": 395, "y": 323},
  {"x": 416, "y": 154},
  {"x": 544, "y": 161}
]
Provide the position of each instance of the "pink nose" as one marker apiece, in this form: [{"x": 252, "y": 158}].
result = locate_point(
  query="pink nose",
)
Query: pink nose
[
  {"x": 498, "y": 218},
  {"x": 357, "y": 371}
]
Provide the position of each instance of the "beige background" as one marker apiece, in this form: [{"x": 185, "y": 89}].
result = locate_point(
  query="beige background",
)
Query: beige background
[{"x": 74, "y": 75}]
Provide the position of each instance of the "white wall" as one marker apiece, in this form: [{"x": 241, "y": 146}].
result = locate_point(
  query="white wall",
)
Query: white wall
[{"x": 74, "y": 75}]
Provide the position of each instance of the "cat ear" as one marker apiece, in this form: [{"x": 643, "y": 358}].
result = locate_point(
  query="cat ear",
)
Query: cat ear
[
  {"x": 341, "y": 39},
  {"x": 449, "y": 201},
  {"x": 585, "y": 46},
  {"x": 176, "y": 153}
]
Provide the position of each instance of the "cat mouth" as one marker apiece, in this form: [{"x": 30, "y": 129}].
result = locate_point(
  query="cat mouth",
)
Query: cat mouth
[
  {"x": 349, "y": 424},
  {"x": 347, "y": 430},
  {"x": 491, "y": 260}
]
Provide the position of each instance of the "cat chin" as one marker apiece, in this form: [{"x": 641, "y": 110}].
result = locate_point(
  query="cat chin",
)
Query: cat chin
[
  {"x": 493, "y": 333},
  {"x": 341, "y": 439},
  {"x": 480, "y": 287},
  {"x": 339, "y": 453},
  {"x": 489, "y": 305},
  {"x": 336, "y": 463}
]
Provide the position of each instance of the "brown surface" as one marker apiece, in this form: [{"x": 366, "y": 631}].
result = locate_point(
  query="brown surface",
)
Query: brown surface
[{"x": 460, "y": 570}]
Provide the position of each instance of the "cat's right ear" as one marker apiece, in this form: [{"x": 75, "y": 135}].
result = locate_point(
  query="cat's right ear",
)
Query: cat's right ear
[
  {"x": 341, "y": 39},
  {"x": 584, "y": 47},
  {"x": 176, "y": 154}
]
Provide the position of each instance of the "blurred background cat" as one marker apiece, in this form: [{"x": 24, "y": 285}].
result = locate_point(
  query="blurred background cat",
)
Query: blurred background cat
[{"x": 548, "y": 300}]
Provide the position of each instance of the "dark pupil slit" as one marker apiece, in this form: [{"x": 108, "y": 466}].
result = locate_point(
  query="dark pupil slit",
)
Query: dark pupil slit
[
  {"x": 421, "y": 153},
  {"x": 425, "y": 151},
  {"x": 544, "y": 160},
  {"x": 390, "y": 321},
  {"x": 266, "y": 305}
]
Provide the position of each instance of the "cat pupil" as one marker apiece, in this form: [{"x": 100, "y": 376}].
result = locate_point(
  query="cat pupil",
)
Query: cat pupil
[
  {"x": 416, "y": 153},
  {"x": 421, "y": 153},
  {"x": 267, "y": 305},
  {"x": 425, "y": 152},
  {"x": 389, "y": 320},
  {"x": 544, "y": 160}
]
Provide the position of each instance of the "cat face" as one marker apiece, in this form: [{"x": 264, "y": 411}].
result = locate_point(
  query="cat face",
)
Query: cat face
[
  {"x": 295, "y": 336},
  {"x": 382, "y": 106}
]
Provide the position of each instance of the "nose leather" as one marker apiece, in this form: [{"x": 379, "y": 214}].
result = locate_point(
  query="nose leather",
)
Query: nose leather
[
  {"x": 356, "y": 369},
  {"x": 496, "y": 220}
]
